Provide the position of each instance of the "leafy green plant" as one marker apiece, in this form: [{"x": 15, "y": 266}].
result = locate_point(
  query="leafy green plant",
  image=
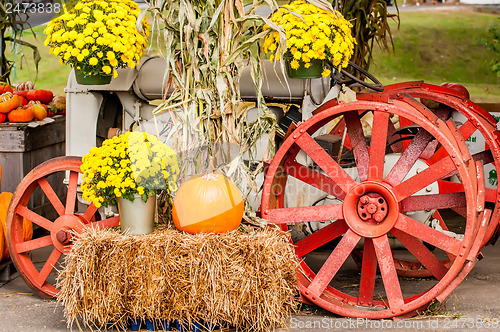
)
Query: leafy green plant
[
  {"x": 12, "y": 25},
  {"x": 371, "y": 25},
  {"x": 493, "y": 43}
]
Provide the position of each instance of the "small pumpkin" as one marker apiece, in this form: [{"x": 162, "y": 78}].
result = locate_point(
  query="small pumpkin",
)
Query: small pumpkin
[
  {"x": 208, "y": 203},
  {"x": 2, "y": 243},
  {"x": 3, "y": 117},
  {"x": 39, "y": 110},
  {"x": 5, "y": 87},
  {"x": 23, "y": 101},
  {"x": 44, "y": 96},
  {"x": 21, "y": 114},
  {"x": 5, "y": 199},
  {"x": 8, "y": 102}
]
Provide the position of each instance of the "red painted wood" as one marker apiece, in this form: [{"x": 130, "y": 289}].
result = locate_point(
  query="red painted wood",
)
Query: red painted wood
[
  {"x": 388, "y": 272},
  {"x": 321, "y": 237},
  {"x": 368, "y": 274}
]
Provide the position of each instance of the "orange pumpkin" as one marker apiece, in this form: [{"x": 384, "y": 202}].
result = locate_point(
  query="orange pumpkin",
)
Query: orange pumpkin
[
  {"x": 209, "y": 203},
  {"x": 8, "y": 102},
  {"x": 5, "y": 199},
  {"x": 21, "y": 114},
  {"x": 2, "y": 243}
]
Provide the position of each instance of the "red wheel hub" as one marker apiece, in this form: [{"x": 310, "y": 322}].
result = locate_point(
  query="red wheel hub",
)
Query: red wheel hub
[
  {"x": 371, "y": 209},
  {"x": 64, "y": 228}
]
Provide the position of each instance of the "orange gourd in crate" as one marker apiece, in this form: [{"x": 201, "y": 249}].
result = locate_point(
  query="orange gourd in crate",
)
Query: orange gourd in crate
[
  {"x": 21, "y": 114},
  {"x": 8, "y": 102},
  {"x": 209, "y": 203}
]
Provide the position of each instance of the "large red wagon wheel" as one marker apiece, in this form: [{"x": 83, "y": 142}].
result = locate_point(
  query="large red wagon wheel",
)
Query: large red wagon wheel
[
  {"x": 37, "y": 259},
  {"x": 478, "y": 122},
  {"x": 375, "y": 208}
]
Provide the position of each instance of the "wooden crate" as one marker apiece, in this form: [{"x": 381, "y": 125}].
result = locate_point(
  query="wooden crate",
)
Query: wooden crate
[{"x": 22, "y": 148}]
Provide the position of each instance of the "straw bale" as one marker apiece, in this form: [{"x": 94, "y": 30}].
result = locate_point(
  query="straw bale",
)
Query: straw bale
[{"x": 241, "y": 280}]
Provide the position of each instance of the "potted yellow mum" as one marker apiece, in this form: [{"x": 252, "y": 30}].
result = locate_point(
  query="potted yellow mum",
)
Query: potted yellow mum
[
  {"x": 96, "y": 37},
  {"x": 126, "y": 170},
  {"x": 317, "y": 40}
]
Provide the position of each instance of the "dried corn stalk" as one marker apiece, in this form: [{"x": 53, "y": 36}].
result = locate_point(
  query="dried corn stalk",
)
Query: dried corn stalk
[{"x": 205, "y": 44}]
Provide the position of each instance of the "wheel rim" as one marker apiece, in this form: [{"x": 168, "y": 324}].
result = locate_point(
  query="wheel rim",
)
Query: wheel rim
[
  {"x": 477, "y": 119},
  {"x": 59, "y": 238},
  {"x": 320, "y": 287}
]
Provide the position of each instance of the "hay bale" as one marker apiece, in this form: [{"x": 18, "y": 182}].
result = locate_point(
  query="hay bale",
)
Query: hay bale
[{"x": 241, "y": 280}]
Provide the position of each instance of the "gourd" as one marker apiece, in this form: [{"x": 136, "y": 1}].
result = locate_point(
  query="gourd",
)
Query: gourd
[
  {"x": 8, "y": 102},
  {"x": 44, "y": 96},
  {"x": 5, "y": 199},
  {"x": 21, "y": 114},
  {"x": 4, "y": 87},
  {"x": 208, "y": 203}
]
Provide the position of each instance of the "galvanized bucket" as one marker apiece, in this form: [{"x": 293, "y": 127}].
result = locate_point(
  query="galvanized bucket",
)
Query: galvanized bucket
[{"x": 137, "y": 217}]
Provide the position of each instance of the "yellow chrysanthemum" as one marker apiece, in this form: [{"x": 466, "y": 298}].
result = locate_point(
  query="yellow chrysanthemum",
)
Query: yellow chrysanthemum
[
  {"x": 98, "y": 26},
  {"x": 312, "y": 33}
]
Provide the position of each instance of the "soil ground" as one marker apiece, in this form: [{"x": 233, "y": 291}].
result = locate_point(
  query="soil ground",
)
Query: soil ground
[{"x": 474, "y": 306}]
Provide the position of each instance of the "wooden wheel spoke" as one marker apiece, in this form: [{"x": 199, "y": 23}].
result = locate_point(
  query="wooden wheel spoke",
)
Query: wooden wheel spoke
[
  {"x": 321, "y": 237},
  {"x": 438, "y": 171},
  {"x": 326, "y": 163},
  {"x": 313, "y": 178},
  {"x": 434, "y": 201},
  {"x": 486, "y": 157},
  {"x": 51, "y": 195},
  {"x": 71, "y": 195},
  {"x": 358, "y": 142},
  {"x": 428, "y": 234},
  {"x": 409, "y": 157},
  {"x": 304, "y": 214},
  {"x": 89, "y": 212},
  {"x": 388, "y": 272},
  {"x": 38, "y": 243},
  {"x": 466, "y": 130},
  {"x": 106, "y": 223},
  {"x": 456, "y": 187},
  {"x": 23, "y": 211},
  {"x": 424, "y": 255},
  {"x": 48, "y": 267},
  {"x": 393, "y": 139},
  {"x": 378, "y": 145},
  {"x": 334, "y": 262},
  {"x": 368, "y": 273}
]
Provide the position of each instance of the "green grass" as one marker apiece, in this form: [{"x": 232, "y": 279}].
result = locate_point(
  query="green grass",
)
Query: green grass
[
  {"x": 441, "y": 46},
  {"x": 51, "y": 74},
  {"x": 435, "y": 46}
]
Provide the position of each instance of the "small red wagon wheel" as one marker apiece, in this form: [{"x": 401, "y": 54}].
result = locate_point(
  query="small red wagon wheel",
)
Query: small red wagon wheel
[
  {"x": 37, "y": 259},
  {"x": 373, "y": 208}
]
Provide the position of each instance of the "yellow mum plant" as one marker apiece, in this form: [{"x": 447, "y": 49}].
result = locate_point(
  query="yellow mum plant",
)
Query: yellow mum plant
[
  {"x": 96, "y": 37},
  {"x": 312, "y": 34},
  {"x": 132, "y": 163}
]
